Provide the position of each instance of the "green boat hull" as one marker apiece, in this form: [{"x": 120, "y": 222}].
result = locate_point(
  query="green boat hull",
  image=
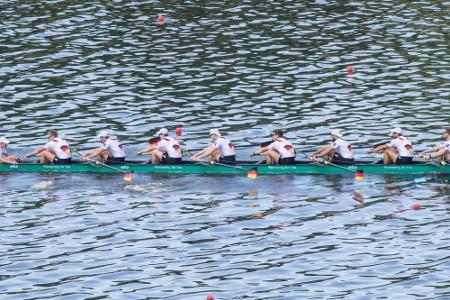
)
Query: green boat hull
[{"x": 313, "y": 168}]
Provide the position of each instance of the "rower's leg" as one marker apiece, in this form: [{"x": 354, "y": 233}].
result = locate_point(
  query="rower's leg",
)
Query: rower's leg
[
  {"x": 103, "y": 157},
  {"x": 326, "y": 151},
  {"x": 447, "y": 155},
  {"x": 8, "y": 160},
  {"x": 215, "y": 156},
  {"x": 156, "y": 157},
  {"x": 46, "y": 157},
  {"x": 389, "y": 156},
  {"x": 272, "y": 157},
  {"x": 13, "y": 159}
]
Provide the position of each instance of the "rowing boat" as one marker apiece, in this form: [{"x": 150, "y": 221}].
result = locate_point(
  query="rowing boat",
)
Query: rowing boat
[{"x": 203, "y": 168}]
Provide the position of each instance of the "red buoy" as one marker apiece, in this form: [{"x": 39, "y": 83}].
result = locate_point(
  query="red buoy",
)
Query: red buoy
[
  {"x": 416, "y": 206},
  {"x": 210, "y": 297},
  {"x": 178, "y": 131},
  {"x": 349, "y": 70},
  {"x": 161, "y": 19}
]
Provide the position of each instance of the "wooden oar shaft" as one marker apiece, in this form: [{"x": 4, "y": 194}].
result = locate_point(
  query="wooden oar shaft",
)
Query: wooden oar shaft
[
  {"x": 229, "y": 166},
  {"x": 97, "y": 163},
  {"x": 331, "y": 164}
]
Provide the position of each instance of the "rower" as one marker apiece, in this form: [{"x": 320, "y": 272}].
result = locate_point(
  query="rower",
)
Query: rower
[
  {"x": 221, "y": 150},
  {"x": 109, "y": 153},
  {"x": 398, "y": 151},
  {"x": 338, "y": 152},
  {"x": 442, "y": 151},
  {"x": 280, "y": 151},
  {"x": 56, "y": 151},
  {"x": 5, "y": 157},
  {"x": 165, "y": 150}
]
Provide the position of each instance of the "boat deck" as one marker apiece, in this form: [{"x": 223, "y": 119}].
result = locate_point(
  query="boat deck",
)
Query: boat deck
[{"x": 301, "y": 167}]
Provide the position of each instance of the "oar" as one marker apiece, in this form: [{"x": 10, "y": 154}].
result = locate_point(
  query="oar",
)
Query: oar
[
  {"x": 439, "y": 163},
  {"x": 252, "y": 173},
  {"x": 226, "y": 165},
  {"x": 127, "y": 176},
  {"x": 325, "y": 163}
]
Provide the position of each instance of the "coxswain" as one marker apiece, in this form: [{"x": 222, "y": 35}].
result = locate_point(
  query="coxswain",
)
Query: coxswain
[
  {"x": 5, "y": 157},
  {"x": 56, "y": 151},
  {"x": 338, "y": 152},
  {"x": 280, "y": 151},
  {"x": 164, "y": 150},
  {"x": 398, "y": 151},
  {"x": 221, "y": 150},
  {"x": 441, "y": 151},
  {"x": 111, "y": 152}
]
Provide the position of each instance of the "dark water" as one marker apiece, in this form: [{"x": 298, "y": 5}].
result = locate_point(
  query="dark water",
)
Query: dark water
[{"x": 244, "y": 67}]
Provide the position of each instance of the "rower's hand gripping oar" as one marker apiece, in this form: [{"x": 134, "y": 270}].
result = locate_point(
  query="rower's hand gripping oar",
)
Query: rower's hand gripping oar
[
  {"x": 127, "y": 176},
  {"x": 438, "y": 163}
]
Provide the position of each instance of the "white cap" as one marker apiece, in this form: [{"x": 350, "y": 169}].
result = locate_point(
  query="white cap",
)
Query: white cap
[
  {"x": 4, "y": 140},
  {"x": 103, "y": 133},
  {"x": 397, "y": 130},
  {"x": 214, "y": 131},
  {"x": 163, "y": 131},
  {"x": 336, "y": 132}
]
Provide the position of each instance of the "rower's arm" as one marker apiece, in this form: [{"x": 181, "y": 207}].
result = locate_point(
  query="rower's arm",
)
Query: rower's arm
[
  {"x": 439, "y": 153},
  {"x": 431, "y": 149},
  {"x": 35, "y": 152},
  {"x": 204, "y": 153},
  {"x": 146, "y": 150},
  {"x": 323, "y": 151},
  {"x": 379, "y": 149},
  {"x": 93, "y": 153},
  {"x": 260, "y": 150}
]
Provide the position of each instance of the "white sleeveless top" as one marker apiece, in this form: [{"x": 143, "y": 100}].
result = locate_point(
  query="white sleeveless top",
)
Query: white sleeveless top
[
  {"x": 114, "y": 148},
  {"x": 3, "y": 152},
  {"x": 446, "y": 145},
  {"x": 343, "y": 148},
  {"x": 171, "y": 146},
  {"x": 224, "y": 145},
  {"x": 283, "y": 147},
  {"x": 60, "y": 147},
  {"x": 403, "y": 146}
]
